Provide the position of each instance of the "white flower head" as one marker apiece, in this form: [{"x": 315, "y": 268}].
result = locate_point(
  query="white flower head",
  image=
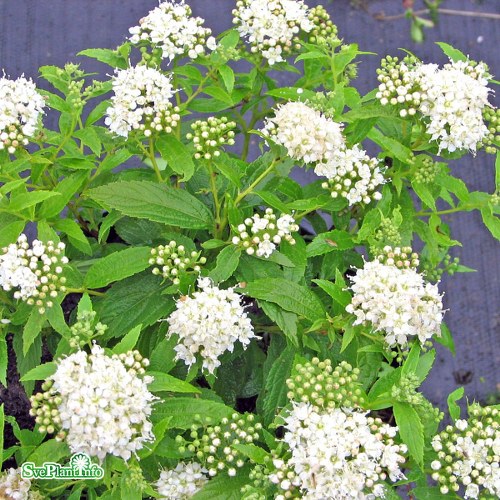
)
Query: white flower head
[
  {"x": 171, "y": 27},
  {"x": 13, "y": 486},
  {"x": 272, "y": 27},
  {"x": 20, "y": 108},
  {"x": 397, "y": 302},
  {"x": 307, "y": 135},
  {"x": 104, "y": 406},
  {"x": 182, "y": 482},
  {"x": 208, "y": 324},
  {"x": 141, "y": 101}
]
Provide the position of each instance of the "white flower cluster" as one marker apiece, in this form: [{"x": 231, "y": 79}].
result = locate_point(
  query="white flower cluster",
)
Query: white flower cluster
[
  {"x": 396, "y": 301},
  {"x": 33, "y": 272},
  {"x": 13, "y": 486},
  {"x": 171, "y": 27},
  {"x": 469, "y": 455},
  {"x": 209, "y": 323},
  {"x": 141, "y": 102},
  {"x": 352, "y": 174},
  {"x": 104, "y": 406},
  {"x": 272, "y": 26},
  {"x": 182, "y": 482},
  {"x": 307, "y": 135},
  {"x": 452, "y": 99},
  {"x": 337, "y": 453},
  {"x": 260, "y": 235},
  {"x": 20, "y": 108}
]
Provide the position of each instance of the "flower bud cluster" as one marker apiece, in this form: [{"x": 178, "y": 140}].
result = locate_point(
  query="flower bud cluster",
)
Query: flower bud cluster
[
  {"x": 172, "y": 28},
  {"x": 337, "y": 453},
  {"x": 133, "y": 477},
  {"x": 85, "y": 329},
  {"x": 182, "y": 482},
  {"x": 396, "y": 301},
  {"x": 426, "y": 170},
  {"x": 272, "y": 27},
  {"x": 352, "y": 175},
  {"x": 492, "y": 117},
  {"x": 141, "y": 102},
  {"x": 386, "y": 233},
  {"x": 98, "y": 403},
  {"x": 405, "y": 390},
  {"x": 211, "y": 134},
  {"x": 213, "y": 446},
  {"x": 448, "y": 265},
  {"x": 400, "y": 257},
  {"x": 468, "y": 455},
  {"x": 261, "y": 235},
  {"x": 319, "y": 384},
  {"x": 173, "y": 261},
  {"x": 259, "y": 481},
  {"x": 15, "y": 487},
  {"x": 34, "y": 272},
  {"x": 323, "y": 31},
  {"x": 208, "y": 324},
  {"x": 20, "y": 109}
]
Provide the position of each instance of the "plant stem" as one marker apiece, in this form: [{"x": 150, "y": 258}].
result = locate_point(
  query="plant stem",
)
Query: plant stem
[
  {"x": 85, "y": 290},
  {"x": 153, "y": 160},
  {"x": 213, "y": 187},
  {"x": 461, "y": 208},
  {"x": 449, "y": 12},
  {"x": 250, "y": 188}
]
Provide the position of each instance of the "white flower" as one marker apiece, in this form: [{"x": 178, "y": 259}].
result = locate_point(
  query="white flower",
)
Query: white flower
[
  {"x": 352, "y": 174},
  {"x": 307, "y": 135},
  {"x": 104, "y": 406},
  {"x": 20, "y": 109},
  {"x": 182, "y": 482},
  {"x": 208, "y": 324},
  {"x": 338, "y": 453},
  {"x": 141, "y": 102},
  {"x": 397, "y": 302},
  {"x": 272, "y": 26},
  {"x": 171, "y": 27},
  {"x": 13, "y": 486}
]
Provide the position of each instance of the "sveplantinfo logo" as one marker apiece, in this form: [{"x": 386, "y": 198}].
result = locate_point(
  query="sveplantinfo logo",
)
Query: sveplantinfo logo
[{"x": 80, "y": 467}]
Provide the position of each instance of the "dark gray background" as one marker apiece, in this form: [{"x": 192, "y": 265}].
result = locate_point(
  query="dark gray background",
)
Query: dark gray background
[{"x": 40, "y": 32}]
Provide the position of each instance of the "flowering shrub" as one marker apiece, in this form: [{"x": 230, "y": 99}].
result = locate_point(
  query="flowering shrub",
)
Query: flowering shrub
[{"x": 196, "y": 321}]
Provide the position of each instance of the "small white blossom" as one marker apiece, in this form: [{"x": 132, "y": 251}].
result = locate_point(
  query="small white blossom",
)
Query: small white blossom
[
  {"x": 171, "y": 27},
  {"x": 104, "y": 406},
  {"x": 182, "y": 482},
  {"x": 208, "y": 324},
  {"x": 141, "y": 102},
  {"x": 351, "y": 174},
  {"x": 307, "y": 135},
  {"x": 13, "y": 486},
  {"x": 272, "y": 27},
  {"x": 20, "y": 109},
  {"x": 337, "y": 453},
  {"x": 397, "y": 302}
]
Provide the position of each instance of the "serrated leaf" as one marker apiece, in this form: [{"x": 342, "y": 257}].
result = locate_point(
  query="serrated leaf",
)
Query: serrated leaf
[
  {"x": 227, "y": 262},
  {"x": 41, "y": 372},
  {"x": 223, "y": 487},
  {"x": 335, "y": 291},
  {"x": 117, "y": 266},
  {"x": 286, "y": 321},
  {"x": 107, "y": 56},
  {"x": 329, "y": 242},
  {"x": 26, "y": 200},
  {"x": 74, "y": 233},
  {"x": 411, "y": 430},
  {"x": 166, "y": 383},
  {"x": 255, "y": 453},
  {"x": 49, "y": 451},
  {"x": 227, "y": 75},
  {"x": 156, "y": 202},
  {"x": 452, "y": 399},
  {"x": 453, "y": 53},
  {"x": 288, "y": 295},
  {"x": 32, "y": 329},
  {"x": 424, "y": 193},
  {"x": 177, "y": 156},
  {"x": 128, "y": 342}
]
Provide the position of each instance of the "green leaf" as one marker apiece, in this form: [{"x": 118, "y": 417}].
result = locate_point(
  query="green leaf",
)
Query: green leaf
[
  {"x": 74, "y": 233},
  {"x": 185, "y": 410},
  {"x": 411, "y": 430},
  {"x": 114, "y": 160},
  {"x": 128, "y": 342},
  {"x": 292, "y": 93},
  {"x": 446, "y": 339},
  {"x": 211, "y": 244},
  {"x": 228, "y": 167},
  {"x": 286, "y": 321},
  {"x": 424, "y": 365},
  {"x": 117, "y": 266},
  {"x": 227, "y": 262},
  {"x": 49, "y": 451},
  {"x": 392, "y": 147},
  {"x": 329, "y": 242},
  {"x": 163, "y": 356},
  {"x": 453, "y": 408},
  {"x": 371, "y": 221},
  {"x": 4, "y": 360},
  {"x": 491, "y": 221},
  {"x": 107, "y": 56},
  {"x": 255, "y": 453},
  {"x": 26, "y": 200},
  {"x": 2, "y": 425},
  {"x": 453, "y": 53},
  {"x": 223, "y": 487},
  {"x": 25, "y": 362},
  {"x": 227, "y": 75},
  {"x": 431, "y": 493},
  {"x": 177, "y": 156},
  {"x": 424, "y": 193},
  {"x": 159, "y": 203},
  {"x": 166, "y": 383},
  {"x": 32, "y": 329},
  {"x": 41, "y": 372},
  {"x": 10, "y": 231},
  {"x": 336, "y": 291},
  {"x": 288, "y": 295}
]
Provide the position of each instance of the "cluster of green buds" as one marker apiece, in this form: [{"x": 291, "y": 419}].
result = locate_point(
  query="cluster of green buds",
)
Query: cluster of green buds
[
  {"x": 324, "y": 31},
  {"x": 213, "y": 445},
  {"x": 165, "y": 120},
  {"x": 260, "y": 235},
  {"x": 134, "y": 361},
  {"x": 259, "y": 483},
  {"x": 318, "y": 383},
  {"x": 425, "y": 169},
  {"x": 397, "y": 85},
  {"x": 85, "y": 329},
  {"x": 401, "y": 257},
  {"x": 45, "y": 409},
  {"x": 386, "y": 234},
  {"x": 468, "y": 454},
  {"x": 448, "y": 265},
  {"x": 173, "y": 260},
  {"x": 492, "y": 117},
  {"x": 211, "y": 134},
  {"x": 133, "y": 477}
]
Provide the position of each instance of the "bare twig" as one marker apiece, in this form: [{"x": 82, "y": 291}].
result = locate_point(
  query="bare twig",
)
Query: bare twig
[{"x": 449, "y": 12}]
